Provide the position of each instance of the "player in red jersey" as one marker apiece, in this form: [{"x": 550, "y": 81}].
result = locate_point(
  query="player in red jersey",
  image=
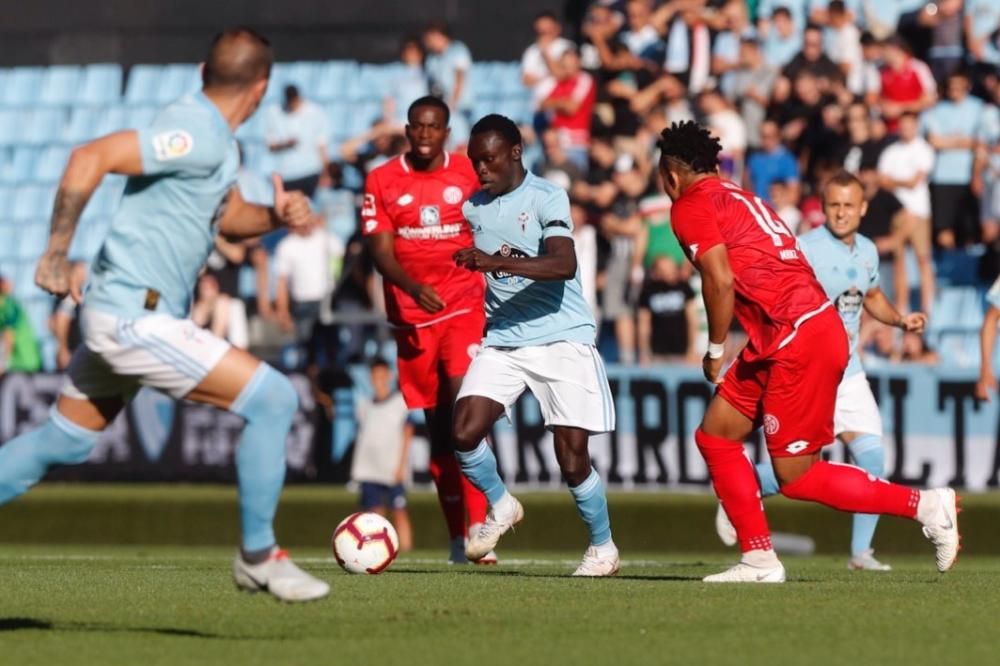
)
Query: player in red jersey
[
  {"x": 412, "y": 216},
  {"x": 786, "y": 377}
]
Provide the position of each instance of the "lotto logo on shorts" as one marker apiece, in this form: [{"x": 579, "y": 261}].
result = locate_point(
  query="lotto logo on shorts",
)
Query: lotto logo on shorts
[
  {"x": 797, "y": 447},
  {"x": 771, "y": 424}
]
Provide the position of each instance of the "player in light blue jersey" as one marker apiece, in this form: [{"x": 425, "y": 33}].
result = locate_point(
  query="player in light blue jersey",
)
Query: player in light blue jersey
[
  {"x": 180, "y": 194},
  {"x": 846, "y": 264},
  {"x": 539, "y": 336}
]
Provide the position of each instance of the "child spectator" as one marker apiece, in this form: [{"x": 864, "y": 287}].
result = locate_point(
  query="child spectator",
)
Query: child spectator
[
  {"x": 382, "y": 452},
  {"x": 668, "y": 321}
]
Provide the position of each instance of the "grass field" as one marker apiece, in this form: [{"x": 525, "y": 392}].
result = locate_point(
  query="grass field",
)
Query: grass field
[{"x": 131, "y": 605}]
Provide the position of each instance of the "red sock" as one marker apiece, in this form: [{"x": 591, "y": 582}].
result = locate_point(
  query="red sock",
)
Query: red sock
[
  {"x": 737, "y": 488},
  {"x": 448, "y": 478},
  {"x": 852, "y": 489},
  {"x": 475, "y": 502}
]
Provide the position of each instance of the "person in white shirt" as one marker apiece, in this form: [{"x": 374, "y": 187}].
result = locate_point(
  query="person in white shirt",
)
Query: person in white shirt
[
  {"x": 540, "y": 60},
  {"x": 843, "y": 45},
  {"x": 296, "y": 133},
  {"x": 307, "y": 261},
  {"x": 904, "y": 168}
]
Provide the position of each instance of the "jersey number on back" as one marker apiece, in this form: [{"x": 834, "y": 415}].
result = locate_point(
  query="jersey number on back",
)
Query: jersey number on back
[{"x": 774, "y": 228}]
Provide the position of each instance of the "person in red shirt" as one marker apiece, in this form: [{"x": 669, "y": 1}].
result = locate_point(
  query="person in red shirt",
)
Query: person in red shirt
[
  {"x": 412, "y": 217},
  {"x": 786, "y": 377},
  {"x": 907, "y": 83},
  {"x": 572, "y": 105}
]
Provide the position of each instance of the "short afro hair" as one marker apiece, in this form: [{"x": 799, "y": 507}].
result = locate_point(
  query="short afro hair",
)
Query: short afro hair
[
  {"x": 502, "y": 125},
  {"x": 433, "y": 102},
  {"x": 690, "y": 144}
]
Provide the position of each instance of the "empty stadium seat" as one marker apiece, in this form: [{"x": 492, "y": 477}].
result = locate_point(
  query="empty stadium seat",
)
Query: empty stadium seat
[
  {"x": 143, "y": 83},
  {"x": 20, "y": 165},
  {"x": 82, "y": 124},
  {"x": 45, "y": 126},
  {"x": 101, "y": 84},
  {"x": 11, "y": 126},
  {"x": 21, "y": 86},
  {"x": 50, "y": 163},
  {"x": 176, "y": 81},
  {"x": 61, "y": 85}
]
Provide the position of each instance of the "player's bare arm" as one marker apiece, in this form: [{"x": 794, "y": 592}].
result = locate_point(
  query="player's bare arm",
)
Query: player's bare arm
[
  {"x": 987, "y": 382},
  {"x": 719, "y": 294},
  {"x": 384, "y": 255},
  {"x": 558, "y": 262},
  {"x": 878, "y": 306},
  {"x": 246, "y": 220},
  {"x": 115, "y": 153}
]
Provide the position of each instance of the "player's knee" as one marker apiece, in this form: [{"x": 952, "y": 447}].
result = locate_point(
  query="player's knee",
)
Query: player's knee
[
  {"x": 466, "y": 434},
  {"x": 272, "y": 396}
]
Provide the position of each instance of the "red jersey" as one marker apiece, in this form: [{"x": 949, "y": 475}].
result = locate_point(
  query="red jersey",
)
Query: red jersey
[
  {"x": 576, "y": 126},
  {"x": 423, "y": 210},
  {"x": 776, "y": 289}
]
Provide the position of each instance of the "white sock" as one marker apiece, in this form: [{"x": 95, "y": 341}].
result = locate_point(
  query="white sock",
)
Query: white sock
[
  {"x": 504, "y": 506},
  {"x": 762, "y": 559},
  {"x": 927, "y": 506},
  {"x": 606, "y": 550}
]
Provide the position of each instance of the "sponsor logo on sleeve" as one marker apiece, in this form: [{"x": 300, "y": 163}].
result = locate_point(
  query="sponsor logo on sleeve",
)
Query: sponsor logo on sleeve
[{"x": 172, "y": 145}]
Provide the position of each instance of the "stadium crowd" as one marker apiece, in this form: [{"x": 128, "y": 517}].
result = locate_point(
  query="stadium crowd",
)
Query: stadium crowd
[{"x": 902, "y": 93}]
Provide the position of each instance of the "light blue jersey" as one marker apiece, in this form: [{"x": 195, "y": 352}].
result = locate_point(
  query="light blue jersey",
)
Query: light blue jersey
[
  {"x": 522, "y": 312},
  {"x": 441, "y": 68},
  {"x": 166, "y": 224},
  {"x": 948, "y": 118},
  {"x": 846, "y": 273}
]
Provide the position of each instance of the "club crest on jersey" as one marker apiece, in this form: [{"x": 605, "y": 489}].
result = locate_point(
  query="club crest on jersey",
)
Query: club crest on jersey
[
  {"x": 523, "y": 219},
  {"x": 405, "y": 200},
  {"x": 452, "y": 195},
  {"x": 430, "y": 216},
  {"x": 771, "y": 424}
]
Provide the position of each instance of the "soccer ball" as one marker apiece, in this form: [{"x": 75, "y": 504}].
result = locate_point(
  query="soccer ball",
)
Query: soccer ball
[{"x": 365, "y": 543}]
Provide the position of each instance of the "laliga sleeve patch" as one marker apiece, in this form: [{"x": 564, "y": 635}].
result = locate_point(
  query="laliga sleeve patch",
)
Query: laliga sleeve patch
[{"x": 172, "y": 145}]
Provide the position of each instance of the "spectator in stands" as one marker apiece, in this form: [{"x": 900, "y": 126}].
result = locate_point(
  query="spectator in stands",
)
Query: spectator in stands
[
  {"x": 571, "y": 105},
  {"x": 307, "y": 262},
  {"x": 381, "y": 142},
  {"x": 914, "y": 349},
  {"x": 19, "y": 350},
  {"x": 773, "y": 163},
  {"x": 982, "y": 38},
  {"x": 843, "y": 46},
  {"x": 750, "y": 87},
  {"x": 662, "y": 102},
  {"x": 381, "y": 462},
  {"x": 782, "y": 41},
  {"x": 597, "y": 191},
  {"x": 213, "y": 310},
  {"x": 785, "y": 204},
  {"x": 555, "y": 164},
  {"x": 540, "y": 61},
  {"x": 871, "y": 69},
  {"x": 904, "y": 168},
  {"x": 223, "y": 311},
  {"x": 689, "y": 44},
  {"x": 409, "y": 83},
  {"x": 952, "y": 128},
  {"x": 667, "y": 317},
  {"x": 727, "y": 125},
  {"x": 448, "y": 64},
  {"x": 585, "y": 243},
  {"x": 726, "y": 47},
  {"x": 296, "y": 133},
  {"x": 986, "y": 171},
  {"x": 860, "y": 149},
  {"x": 906, "y": 83},
  {"x": 336, "y": 205},
  {"x": 813, "y": 61},
  {"x": 943, "y": 19},
  {"x": 640, "y": 36},
  {"x": 65, "y": 320},
  {"x": 888, "y": 225}
]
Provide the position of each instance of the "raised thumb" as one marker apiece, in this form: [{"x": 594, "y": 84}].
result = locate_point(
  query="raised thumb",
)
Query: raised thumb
[{"x": 279, "y": 185}]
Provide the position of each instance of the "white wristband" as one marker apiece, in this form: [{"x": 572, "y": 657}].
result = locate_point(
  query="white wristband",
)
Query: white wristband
[{"x": 716, "y": 350}]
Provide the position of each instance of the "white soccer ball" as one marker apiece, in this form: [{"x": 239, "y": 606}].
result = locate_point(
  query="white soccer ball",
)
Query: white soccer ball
[{"x": 365, "y": 543}]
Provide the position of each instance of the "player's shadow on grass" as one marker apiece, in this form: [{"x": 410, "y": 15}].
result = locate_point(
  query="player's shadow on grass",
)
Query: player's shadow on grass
[
  {"x": 532, "y": 574},
  {"x": 30, "y": 623}
]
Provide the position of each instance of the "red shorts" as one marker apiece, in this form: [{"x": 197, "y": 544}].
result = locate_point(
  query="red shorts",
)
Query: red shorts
[
  {"x": 793, "y": 392},
  {"x": 428, "y": 353}
]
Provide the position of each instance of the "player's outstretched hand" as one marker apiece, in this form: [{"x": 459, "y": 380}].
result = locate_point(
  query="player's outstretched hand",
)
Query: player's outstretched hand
[
  {"x": 915, "y": 322},
  {"x": 475, "y": 259},
  {"x": 712, "y": 368},
  {"x": 53, "y": 273},
  {"x": 986, "y": 385},
  {"x": 292, "y": 207},
  {"x": 427, "y": 298}
]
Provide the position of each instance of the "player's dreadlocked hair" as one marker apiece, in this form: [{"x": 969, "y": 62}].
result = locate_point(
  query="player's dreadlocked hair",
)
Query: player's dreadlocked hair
[
  {"x": 692, "y": 145},
  {"x": 502, "y": 125}
]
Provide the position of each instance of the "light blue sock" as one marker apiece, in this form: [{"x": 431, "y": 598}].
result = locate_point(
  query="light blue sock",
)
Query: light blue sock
[
  {"x": 25, "y": 459},
  {"x": 768, "y": 481},
  {"x": 268, "y": 403},
  {"x": 868, "y": 454},
  {"x": 480, "y": 466},
  {"x": 592, "y": 503}
]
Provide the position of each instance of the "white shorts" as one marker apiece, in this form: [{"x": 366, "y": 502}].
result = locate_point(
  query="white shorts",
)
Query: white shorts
[
  {"x": 120, "y": 355},
  {"x": 567, "y": 378},
  {"x": 856, "y": 409}
]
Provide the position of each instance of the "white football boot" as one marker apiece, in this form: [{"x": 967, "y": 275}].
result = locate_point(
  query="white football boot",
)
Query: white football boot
[
  {"x": 279, "y": 576},
  {"x": 500, "y": 519},
  {"x": 595, "y": 563},
  {"x": 724, "y": 528},
  {"x": 942, "y": 527},
  {"x": 866, "y": 562},
  {"x": 489, "y": 558},
  {"x": 746, "y": 573}
]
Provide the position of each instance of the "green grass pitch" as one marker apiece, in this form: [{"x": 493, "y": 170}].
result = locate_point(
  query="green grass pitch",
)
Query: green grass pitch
[{"x": 151, "y": 605}]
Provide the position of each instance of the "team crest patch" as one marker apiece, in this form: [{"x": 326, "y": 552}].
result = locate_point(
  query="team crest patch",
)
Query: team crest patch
[
  {"x": 523, "y": 219},
  {"x": 771, "y": 424},
  {"x": 452, "y": 194},
  {"x": 430, "y": 216},
  {"x": 171, "y": 145}
]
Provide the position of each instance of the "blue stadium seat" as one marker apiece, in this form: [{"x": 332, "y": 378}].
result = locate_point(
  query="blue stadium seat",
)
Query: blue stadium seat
[
  {"x": 33, "y": 238},
  {"x": 110, "y": 119},
  {"x": 176, "y": 81},
  {"x": 102, "y": 84},
  {"x": 947, "y": 308},
  {"x": 11, "y": 126},
  {"x": 253, "y": 128},
  {"x": 61, "y": 85},
  {"x": 143, "y": 84},
  {"x": 20, "y": 166},
  {"x": 338, "y": 118},
  {"x": 45, "y": 126},
  {"x": 22, "y": 86},
  {"x": 27, "y": 202},
  {"x": 50, "y": 163},
  {"x": 332, "y": 80},
  {"x": 82, "y": 124}
]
